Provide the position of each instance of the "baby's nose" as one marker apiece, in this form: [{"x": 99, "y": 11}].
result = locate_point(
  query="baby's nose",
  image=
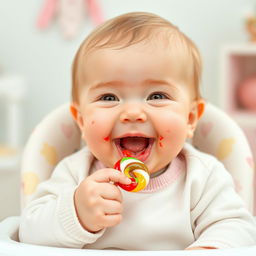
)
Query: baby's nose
[{"x": 133, "y": 113}]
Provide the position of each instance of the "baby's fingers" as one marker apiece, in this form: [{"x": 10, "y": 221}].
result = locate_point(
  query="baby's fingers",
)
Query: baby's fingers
[
  {"x": 112, "y": 207},
  {"x": 111, "y": 175},
  {"x": 111, "y": 192},
  {"x": 111, "y": 220}
]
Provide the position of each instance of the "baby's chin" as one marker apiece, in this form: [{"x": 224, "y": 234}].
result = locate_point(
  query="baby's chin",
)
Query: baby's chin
[{"x": 157, "y": 167}]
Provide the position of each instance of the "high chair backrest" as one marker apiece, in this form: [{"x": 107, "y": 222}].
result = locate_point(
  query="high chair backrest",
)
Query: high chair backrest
[{"x": 58, "y": 136}]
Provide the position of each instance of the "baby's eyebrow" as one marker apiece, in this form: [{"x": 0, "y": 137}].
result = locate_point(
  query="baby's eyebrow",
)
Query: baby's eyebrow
[
  {"x": 161, "y": 84},
  {"x": 106, "y": 84},
  {"x": 156, "y": 82}
]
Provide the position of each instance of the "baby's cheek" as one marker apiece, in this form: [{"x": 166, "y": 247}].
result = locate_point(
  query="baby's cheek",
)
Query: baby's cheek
[
  {"x": 171, "y": 130},
  {"x": 98, "y": 128}
]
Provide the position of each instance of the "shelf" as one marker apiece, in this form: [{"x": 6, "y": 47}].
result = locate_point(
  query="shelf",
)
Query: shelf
[
  {"x": 9, "y": 163},
  {"x": 238, "y": 70},
  {"x": 240, "y": 49},
  {"x": 12, "y": 93},
  {"x": 9, "y": 158},
  {"x": 12, "y": 87}
]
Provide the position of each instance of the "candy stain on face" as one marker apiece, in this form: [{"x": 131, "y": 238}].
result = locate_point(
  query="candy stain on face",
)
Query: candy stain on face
[
  {"x": 136, "y": 170},
  {"x": 160, "y": 139},
  {"x": 107, "y": 138}
]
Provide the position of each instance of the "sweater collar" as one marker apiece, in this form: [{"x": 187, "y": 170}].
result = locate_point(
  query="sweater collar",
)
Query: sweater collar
[{"x": 163, "y": 179}]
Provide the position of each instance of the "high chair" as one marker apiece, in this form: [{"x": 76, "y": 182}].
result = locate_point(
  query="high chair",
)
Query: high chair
[{"x": 58, "y": 136}]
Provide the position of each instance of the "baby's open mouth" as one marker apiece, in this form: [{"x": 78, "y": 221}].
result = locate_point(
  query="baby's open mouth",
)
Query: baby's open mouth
[{"x": 134, "y": 146}]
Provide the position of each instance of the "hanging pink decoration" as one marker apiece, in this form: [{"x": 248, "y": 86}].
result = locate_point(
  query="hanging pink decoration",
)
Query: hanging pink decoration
[
  {"x": 70, "y": 14},
  {"x": 47, "y": 13},
  {"x": 94, "y": 11}
]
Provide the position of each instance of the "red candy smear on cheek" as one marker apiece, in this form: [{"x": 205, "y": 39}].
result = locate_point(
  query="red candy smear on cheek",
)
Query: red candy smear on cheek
[
  {"x": 106, "y": 138},
  {"x": 160, "y": 143}
]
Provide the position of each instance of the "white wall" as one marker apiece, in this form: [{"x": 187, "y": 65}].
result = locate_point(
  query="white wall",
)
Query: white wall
[{"x": 44, "y": 58}]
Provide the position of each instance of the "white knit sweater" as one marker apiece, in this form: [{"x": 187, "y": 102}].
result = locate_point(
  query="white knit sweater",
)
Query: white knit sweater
[{"x": 193, "y": 203}]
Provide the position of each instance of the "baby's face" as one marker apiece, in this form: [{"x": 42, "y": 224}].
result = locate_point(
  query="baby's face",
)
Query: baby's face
[{"x": 134, "y": 102}]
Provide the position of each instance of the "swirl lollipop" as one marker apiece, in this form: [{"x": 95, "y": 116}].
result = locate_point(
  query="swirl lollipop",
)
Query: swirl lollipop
[{"x": 134, "y": 169}]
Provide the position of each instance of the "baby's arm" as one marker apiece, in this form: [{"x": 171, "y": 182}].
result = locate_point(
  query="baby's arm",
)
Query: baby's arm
[
  {"x": 219, "y": 217},
  {"x": 51, "y": 218}
]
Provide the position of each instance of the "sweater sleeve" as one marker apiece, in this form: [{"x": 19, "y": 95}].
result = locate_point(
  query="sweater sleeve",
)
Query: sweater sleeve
[
  {"x": 219, "y": 218},
  {"x": 50, "y": 218}
]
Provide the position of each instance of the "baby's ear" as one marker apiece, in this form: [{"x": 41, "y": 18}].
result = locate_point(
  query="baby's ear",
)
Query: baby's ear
[
  {"x": 75, "y": 112},
  {"x": 196, "y": 112}
]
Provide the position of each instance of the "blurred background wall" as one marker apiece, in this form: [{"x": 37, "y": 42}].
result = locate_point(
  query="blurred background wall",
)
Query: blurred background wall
[{"x": 43, "y": 58}]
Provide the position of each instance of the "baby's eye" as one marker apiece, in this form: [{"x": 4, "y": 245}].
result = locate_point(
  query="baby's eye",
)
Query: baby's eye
[
  {"x": 157, "y": 96},
  {"x": 109, "y": 97}
]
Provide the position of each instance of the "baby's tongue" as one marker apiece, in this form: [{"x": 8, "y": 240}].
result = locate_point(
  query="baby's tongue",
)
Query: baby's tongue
[{"x": 134, "y": 144}]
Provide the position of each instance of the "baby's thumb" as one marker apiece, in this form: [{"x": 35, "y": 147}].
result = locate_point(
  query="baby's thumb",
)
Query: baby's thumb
[{"x": 112, "y": 175}]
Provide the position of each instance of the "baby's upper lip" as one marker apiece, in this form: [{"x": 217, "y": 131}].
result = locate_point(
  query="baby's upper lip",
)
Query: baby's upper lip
[{"x": 136, "y": 134}]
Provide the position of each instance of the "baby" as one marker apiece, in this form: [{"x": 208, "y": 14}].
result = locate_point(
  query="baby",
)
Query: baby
[{"x": 135, "y": 89}]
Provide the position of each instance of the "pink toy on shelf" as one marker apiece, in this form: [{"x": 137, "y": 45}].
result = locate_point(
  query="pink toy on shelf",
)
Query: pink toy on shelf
[
  {"x": 246, "y": 94},
  {"x": 70, "y": 14},
  {"x": 134, "y": 169}
]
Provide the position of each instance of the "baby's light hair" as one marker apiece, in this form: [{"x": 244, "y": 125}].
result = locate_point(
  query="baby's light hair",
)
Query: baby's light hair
[{"x": 132, "y": 28}]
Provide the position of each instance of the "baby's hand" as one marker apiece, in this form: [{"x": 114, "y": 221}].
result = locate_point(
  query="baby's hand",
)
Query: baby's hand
[{"x": 98, "y": 201}]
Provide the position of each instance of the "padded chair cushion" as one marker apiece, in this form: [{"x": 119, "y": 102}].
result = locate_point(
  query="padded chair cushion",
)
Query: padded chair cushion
[{"x": 219, "y": 135}]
